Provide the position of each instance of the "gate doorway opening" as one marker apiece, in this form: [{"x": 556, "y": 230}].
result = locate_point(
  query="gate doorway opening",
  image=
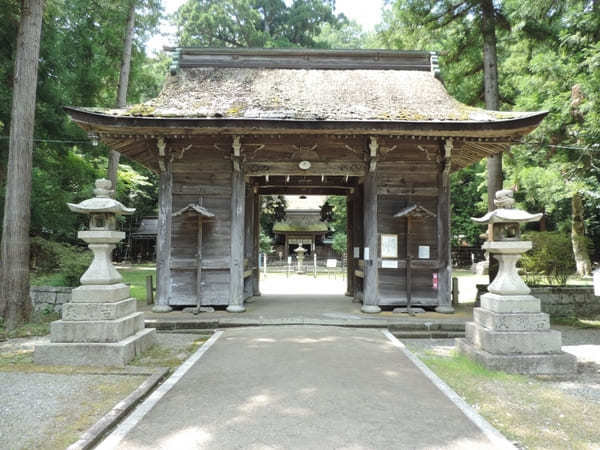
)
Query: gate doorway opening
[{"x": 304, "y": 233}]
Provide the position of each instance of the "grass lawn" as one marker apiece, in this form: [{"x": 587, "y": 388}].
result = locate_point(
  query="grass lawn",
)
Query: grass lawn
[{"x": 533, "y": 412}]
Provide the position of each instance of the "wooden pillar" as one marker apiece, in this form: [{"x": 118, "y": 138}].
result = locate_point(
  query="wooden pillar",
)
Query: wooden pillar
[
  {"x": 163, "y": 234},
  {"x": 249, "y": 238},
  {"x": 358, "y": 238},
  {"x": 443, "y": 232},
  {"x": 370, "y": 289},
  {"x": 256, "y": 251},
  {"x": 349, "y": 245},
  {"x": 199, "y": 263},
  {"x": 238, "y": 197}
]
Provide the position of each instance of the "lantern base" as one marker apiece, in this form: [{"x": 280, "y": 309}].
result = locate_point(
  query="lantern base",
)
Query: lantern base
[
  {"x": 116, "y": 354},
  {"x": 529, "y": 364}
]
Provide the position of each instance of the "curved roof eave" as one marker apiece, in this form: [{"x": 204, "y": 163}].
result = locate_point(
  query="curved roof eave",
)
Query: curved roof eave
[{"x": 136, "y": 125}]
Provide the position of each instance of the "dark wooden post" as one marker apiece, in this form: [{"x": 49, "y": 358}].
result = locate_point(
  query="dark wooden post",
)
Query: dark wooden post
[
  {"x": 249, "y": 238},
  {"x": 357, "y": 239},
  {"x": 256, "y": 254},
  {"x": 149, "y": 291},
  {"x": 163, "y": 235},
  {"x": 199, "y": 263},
  {"x": 443, "y": 232},
  {"x": 349, "y": 245},
  {"x": 371, "y": 270},
  {"x": 238, "y": 197}
]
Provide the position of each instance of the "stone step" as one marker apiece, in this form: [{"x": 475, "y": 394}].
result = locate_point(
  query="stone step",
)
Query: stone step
[
  {"x": 96, "y": 330},
  {"x": 511, "y": 321},
  {"x": 531, "y": 364},
  {"x": 513, "y": 342},
  {"x": 116, "y": 354},
  {"x": 210, "y": 324},
  {"x": 98, "y": 311},
  {"x": 428, "y": 335}
]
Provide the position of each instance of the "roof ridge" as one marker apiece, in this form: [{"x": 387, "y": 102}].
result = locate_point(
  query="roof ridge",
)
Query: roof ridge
[{"x": 333, "y": 59}]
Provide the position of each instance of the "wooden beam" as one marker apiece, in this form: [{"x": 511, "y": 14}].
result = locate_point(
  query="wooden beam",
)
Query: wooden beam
[
  {"x": 249, "y": 238},
  {"x": 163, "y": 236},
  {"x": 443, "y": 232},
  {"x": 300, "y": 190},
  {"x": 236, "y": 273},
  {"x": 271, "y": 168},
  {"x": 371, "y": 276}
]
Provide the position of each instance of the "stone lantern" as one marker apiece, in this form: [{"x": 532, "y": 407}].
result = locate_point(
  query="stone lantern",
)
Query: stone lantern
[
  {"x": 300, "y": 257},
  {"x": 100, "y": 326},
  {"x": 509, "y": 331}
]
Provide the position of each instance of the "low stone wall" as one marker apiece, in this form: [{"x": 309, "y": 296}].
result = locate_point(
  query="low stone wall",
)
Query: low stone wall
[
  {"x": 562, "y": 301},
  {"x": 49, "y": 298},
  {"x": 569, "y": 301}
]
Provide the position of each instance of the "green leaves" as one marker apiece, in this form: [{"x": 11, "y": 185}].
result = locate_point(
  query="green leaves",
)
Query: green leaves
[{"x": 254, "y": 23}]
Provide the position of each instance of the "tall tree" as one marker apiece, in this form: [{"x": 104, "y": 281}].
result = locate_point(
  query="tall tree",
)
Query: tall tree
[
  {"x": 15, "y": 304},
  {"x": 254, "y": 23},
  {"x": 113, "y": 156}
]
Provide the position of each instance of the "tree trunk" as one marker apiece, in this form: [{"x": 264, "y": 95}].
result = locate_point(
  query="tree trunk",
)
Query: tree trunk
[
  {"x": 114, "y": 157},
  {"x": 15, "y": 304},
  {"x": 492, "y": 102},
  {"x": 580, "y": 250}
]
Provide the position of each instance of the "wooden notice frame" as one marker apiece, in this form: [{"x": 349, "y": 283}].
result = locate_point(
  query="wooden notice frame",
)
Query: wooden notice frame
[{"x": 389, "y": 246}]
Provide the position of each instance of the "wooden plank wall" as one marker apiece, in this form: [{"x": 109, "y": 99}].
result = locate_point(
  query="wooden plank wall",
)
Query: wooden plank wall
[
  {"x": 202, "y": 174},
  {"x": 406, "y": 175}
]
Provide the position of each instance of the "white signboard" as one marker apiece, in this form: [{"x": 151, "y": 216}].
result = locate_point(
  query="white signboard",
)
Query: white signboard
[
  {"x": 331, "y": 263},
  {"x": 389, "y": 264},
  {"x": 423, "y": 251},
  {"x": 597, "y": 282},
  {"x": 357, "y": 252},
  {"x": 389, "y": 245},
  {"x": 366, "y": 253},
  {"x": 289, "y": 259}
]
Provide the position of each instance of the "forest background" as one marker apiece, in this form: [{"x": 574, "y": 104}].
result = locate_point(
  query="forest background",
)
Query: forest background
[{"x": 548, "y": 58}]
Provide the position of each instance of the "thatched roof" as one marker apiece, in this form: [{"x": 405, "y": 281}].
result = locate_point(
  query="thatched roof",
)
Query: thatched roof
[
  {"x": 308, "y": 94},
  {"x": 256, "y": 84},
  {"x": 302, "y": 222}
]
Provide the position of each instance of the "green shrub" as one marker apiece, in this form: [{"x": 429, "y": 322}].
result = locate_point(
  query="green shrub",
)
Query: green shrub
[
  {"x": 73, "y": 264},
  {"x": 69, "y": 262},
  {"x": 551, "y": 257}
]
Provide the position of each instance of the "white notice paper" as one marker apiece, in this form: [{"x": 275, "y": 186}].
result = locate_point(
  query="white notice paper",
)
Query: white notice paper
[
  {"x": 366, "y": 254},
  {"x": 357, "y": 252},
  {"x": 423, "y": 251},
  {"x": 389, "y": 264}
]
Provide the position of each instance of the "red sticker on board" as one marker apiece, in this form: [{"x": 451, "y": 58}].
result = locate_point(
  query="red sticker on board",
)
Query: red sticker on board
[{"x": 435, "y": 280}]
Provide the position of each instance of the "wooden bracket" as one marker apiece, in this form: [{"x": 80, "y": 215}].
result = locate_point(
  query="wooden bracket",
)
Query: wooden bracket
[
  {"x": 373, "y": 147},
  {"x": 237, "y": 153},
  {"x": 161, "y": 145},
  {"x": 448, "y": 146}
]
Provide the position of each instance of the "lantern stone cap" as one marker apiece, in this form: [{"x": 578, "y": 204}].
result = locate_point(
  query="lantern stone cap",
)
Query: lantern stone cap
[
  {"x": 102, "y": 203},
  {"x": 194, "y": 208},
  {"x": 504, "y": 215}
]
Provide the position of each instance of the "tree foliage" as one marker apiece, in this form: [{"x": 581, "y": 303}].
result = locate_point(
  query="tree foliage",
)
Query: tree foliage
[{"x": 254, "y": 23}]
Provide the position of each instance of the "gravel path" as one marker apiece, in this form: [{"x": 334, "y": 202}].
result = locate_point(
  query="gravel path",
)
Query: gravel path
[{"x": 33, "y": 406}]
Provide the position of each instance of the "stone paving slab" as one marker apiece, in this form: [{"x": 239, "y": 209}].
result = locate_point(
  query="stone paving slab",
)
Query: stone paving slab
[{"x": 304, "y": 388}]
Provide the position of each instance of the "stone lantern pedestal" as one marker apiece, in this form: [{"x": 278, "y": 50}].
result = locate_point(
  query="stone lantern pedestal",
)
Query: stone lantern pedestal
[
  {"x": 100, "y": 326},
  {"x": 300, "y": 257},
  {"x": 509, "y": 331}
]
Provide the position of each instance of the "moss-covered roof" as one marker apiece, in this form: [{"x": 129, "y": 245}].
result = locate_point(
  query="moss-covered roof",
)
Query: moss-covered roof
[
  {"x": 313, "y": 94},
  {"x": 301, "y": 223}
]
